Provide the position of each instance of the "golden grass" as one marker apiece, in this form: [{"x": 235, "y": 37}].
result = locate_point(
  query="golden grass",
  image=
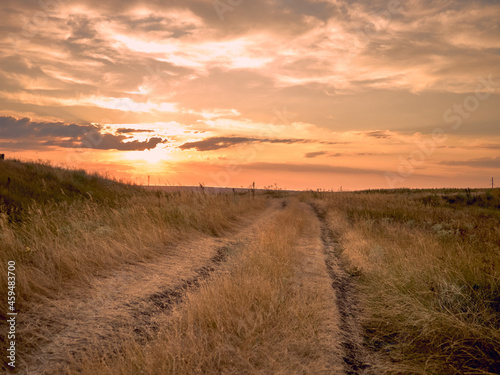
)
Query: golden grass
[
  {"x": 69, "y": 243},
  {"x": 427, "y": 271},
  {"x": 264, "y": 314},
  {"x": 430, "y": 280}
]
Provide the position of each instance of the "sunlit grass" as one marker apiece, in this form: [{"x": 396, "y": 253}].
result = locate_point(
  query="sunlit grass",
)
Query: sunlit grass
[
  {"x": 265, "y": 314},
  {"x": 429, "y": 279}
]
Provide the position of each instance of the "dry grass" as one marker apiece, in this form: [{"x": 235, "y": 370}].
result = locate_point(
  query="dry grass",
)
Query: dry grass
[
  {"x": 265, "y": 314},
  {"x": 430, "y": 280},
  {"x": 427, "y": 267},
  {"x": 68, "y": 243},
  {"x": 61, "y": 247}
]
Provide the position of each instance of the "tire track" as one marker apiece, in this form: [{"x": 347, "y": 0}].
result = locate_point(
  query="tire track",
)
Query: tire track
[
  {"x": 164, "y": 301},
  {"x": 355, "y": 356},
  {"x": 126, "y": 303}
]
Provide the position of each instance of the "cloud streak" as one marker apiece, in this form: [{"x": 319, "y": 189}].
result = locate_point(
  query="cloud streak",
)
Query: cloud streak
[
  {"x": 216, "y": 143},
  {"x": 486, "y": 162}
]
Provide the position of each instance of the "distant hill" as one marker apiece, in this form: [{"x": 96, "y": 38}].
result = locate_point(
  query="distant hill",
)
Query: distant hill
[{"x": 25, "y": 183}]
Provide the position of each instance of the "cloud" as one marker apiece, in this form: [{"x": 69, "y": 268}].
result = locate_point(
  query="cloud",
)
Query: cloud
[
  {"x": 22, "y": 146},
  {"x": 378, "y": 134},
  {"x": 46, "y": 134},
  {"x": 307, "y": 168},
  {"x": 344, "y": 68},
  {"x": 311, "y": 155},
  {"x": 308, "y": 53},
  {"x": 127, "y": 131},
  {"x": 486, "y": 162},
  {"x": 491, "y": 146},
  {"x": 108, "y": 142},
  {"x": 12, "y": 128},
  {"x": 216, "y": 143}
]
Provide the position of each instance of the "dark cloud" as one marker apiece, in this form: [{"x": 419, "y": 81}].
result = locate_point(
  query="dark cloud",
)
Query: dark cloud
[
  {"x": 378, "y": 134},
  {"x": 128, "y": 130},
  {"x": 311, "y": 155},
  {"x": 485, "y": 162},
  {"x": 108, "y": 142},
  {"x": 46, "y": 134},
  {"x": 12, "y": 128},
  {"x": 82, "y": 27},
  {"x": 156, "y": 27},
  {"x": 216, "y": 143},
  {"x": 111, "y": 142}
]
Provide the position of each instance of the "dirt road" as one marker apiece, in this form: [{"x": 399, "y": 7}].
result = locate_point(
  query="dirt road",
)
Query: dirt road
[{"x": 128, "y": 301}]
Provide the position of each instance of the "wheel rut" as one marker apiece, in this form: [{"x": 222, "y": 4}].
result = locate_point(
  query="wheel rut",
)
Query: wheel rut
[
  {"x": 355, "y": 356},
  {"x": 165, "y": 300}
]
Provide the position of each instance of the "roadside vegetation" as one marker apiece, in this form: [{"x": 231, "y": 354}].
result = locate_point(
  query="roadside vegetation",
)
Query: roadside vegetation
[
  {"x": 23, "y": 184},
  {"x": 63, "y": 227},
  {"x": 427, "y": 268}
]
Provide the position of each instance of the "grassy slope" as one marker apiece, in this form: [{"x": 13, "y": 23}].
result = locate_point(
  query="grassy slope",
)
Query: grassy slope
[{"x": 25, "y": 183}]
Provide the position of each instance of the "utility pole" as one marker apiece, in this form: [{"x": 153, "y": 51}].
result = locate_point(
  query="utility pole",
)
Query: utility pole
[
  {"x": 492, "y": 183},
  {"x": 148, "y": 179}
]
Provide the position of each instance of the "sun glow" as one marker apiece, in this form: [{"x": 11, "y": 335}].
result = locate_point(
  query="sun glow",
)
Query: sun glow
[{"x": 154, "y": 156}]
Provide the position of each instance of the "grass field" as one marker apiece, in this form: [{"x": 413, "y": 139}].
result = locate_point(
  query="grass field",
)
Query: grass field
[
  {"x": 71, "y": 225},
  {"x": 427, "y": 267},
  {"x": 233, "y": 283}
]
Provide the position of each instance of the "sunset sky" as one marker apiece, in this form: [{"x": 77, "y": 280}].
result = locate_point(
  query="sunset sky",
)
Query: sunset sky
[{"x": 298, "y": 93}]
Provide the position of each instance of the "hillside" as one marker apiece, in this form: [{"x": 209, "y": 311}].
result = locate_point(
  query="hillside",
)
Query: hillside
[{"x": 25, "y": 183}]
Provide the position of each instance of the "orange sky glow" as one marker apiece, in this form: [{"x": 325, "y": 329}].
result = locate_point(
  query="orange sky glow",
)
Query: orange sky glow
[{"x": 304, "y": 94}]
